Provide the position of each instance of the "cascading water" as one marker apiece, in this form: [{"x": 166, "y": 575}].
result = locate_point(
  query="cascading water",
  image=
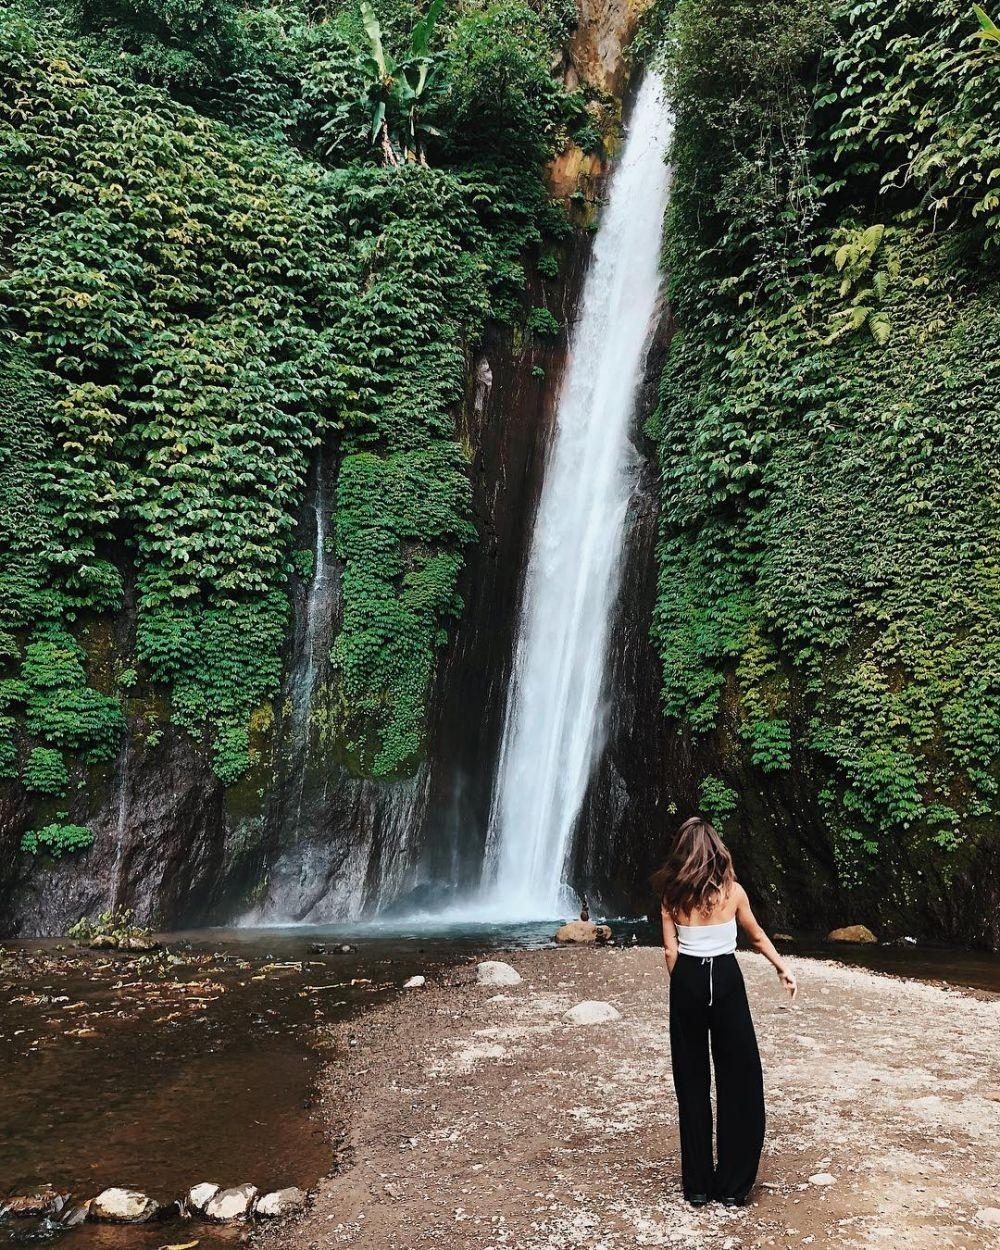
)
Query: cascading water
[{"x": 553, "y": 728}]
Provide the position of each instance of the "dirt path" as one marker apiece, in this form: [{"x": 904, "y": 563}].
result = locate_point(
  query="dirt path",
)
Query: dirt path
[{"x": 481, "y": 1119}]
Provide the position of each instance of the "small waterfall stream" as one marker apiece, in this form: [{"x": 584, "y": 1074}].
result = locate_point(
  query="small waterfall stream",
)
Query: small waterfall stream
[
  {"x": 316, "y": 621},
  {"x": 553, "y": 727},
  {"x": 121, "y": 818}
]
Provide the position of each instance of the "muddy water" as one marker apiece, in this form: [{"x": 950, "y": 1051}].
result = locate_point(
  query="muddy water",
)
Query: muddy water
[
  {"x": 199, "y": 1063},
  {"x": 196, "y": 1063}
]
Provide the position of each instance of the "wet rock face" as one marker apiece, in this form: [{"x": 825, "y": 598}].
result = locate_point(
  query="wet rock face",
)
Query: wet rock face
[{"x": 160, "y": 849}]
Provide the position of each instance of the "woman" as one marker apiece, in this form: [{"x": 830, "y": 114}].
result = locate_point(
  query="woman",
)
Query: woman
[{"x": 701, "y": 904}]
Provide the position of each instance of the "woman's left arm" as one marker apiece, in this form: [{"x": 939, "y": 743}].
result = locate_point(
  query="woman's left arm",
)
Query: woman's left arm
[{"x": 669, "y": 938}]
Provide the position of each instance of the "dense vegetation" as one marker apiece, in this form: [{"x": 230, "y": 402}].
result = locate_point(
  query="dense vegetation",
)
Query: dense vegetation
[
  {"x": 210, "y": 267},
  {"x": 830, "y": 417}
]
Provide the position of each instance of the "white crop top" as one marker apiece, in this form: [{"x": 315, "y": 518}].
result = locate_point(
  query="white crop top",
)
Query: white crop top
[{"x": 707, "y": 940}]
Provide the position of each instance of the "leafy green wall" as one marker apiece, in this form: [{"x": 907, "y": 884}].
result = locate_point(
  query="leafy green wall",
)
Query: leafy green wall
[
  {"x": 206, "y": 273},
  {"x": 829, "y": 418}
]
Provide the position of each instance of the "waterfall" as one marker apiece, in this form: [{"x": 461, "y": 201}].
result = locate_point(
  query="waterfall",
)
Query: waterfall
[
  {"x": 121, "y": 820},
  {"x": 316, "y": 622},
  {"x": 553, "y": 726}
]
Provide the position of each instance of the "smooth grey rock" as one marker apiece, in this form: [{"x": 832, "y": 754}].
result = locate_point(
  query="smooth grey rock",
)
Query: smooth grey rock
[
  {"x": 199, "y": 1196},
  {"x": 822, "y": 1178},
  {"x": 493, "y": 973},
  {"x": 230, "y": 1204},
  {"x": 123, "y": 1206},
  {"x": 592, "y": 1011},
  {"x": 415, "y": 983},
  {"x": 280, "y": 1203}
]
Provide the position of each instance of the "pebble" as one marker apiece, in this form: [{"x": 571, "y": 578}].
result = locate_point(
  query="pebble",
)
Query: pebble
[
  {"x": 415, "y": 983},
  {"x": 822, "y": 1178}
]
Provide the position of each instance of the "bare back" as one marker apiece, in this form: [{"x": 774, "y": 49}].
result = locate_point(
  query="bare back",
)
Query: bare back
[{"x": 726, "y": 908}]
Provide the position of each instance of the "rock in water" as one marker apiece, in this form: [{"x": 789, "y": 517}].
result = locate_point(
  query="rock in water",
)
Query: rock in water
[
  {"x": 493, "y": 973},
  {"x": 583, "y": 931},
  {"x": 851, "y": 933},
  {"x": 199, "y": 1196},
  {"x": 76, "y": 1215},
  {"x": 414, "y": 983},
  {"x": 230, "y": 1204},
  {"x": 591, "y": 1012},
  {"x": 281, "y": 1202},
  {"x": 123, "y": 1206},
  {"x": 42, "y": 1201}
]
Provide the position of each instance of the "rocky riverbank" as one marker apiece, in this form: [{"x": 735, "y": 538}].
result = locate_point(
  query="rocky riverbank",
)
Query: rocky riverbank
[{"x": 482, "y": 1117}]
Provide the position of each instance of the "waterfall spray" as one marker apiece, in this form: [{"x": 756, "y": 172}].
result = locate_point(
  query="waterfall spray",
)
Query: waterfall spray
[{"x": 553, "y": 727}]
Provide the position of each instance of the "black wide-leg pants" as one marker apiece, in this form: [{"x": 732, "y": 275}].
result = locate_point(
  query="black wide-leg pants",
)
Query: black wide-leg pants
[{"x": 708, "y": 1000}]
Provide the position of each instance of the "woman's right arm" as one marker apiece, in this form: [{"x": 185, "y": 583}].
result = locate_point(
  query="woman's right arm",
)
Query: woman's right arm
[
  {"x": 669, "y": 938},
  {"x": 761, "y": 942}
]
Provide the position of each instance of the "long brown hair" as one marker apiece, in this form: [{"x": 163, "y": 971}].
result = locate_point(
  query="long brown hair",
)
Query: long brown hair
[{"x": 697, "y": 873}]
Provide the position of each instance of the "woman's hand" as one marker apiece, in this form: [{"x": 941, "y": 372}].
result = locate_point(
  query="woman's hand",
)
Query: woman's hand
[{"x": 788, "y": 981}]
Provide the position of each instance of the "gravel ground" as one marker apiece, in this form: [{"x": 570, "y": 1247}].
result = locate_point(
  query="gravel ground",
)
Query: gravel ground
[{"x": 480, "y": 1118}]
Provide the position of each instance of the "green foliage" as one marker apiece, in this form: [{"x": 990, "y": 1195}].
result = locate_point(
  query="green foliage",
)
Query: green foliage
[
  {"x": 828, "y": 404},
  {"x": 191, "y": 312},
  {"x": 45, "y": 772},
  {"x": 717, "y": 800},
  {"x": 112, "y": 928},
  {"x": 541, "y": 322},
  {"x": 398, "y": 91},
  {"x": 56, "y": 840},
  {"x": 59, "y": 706},
  {"x": 503, "y": 97},
  {"x": 911, "y": 99},
  {"x": 186, "y": 46}
]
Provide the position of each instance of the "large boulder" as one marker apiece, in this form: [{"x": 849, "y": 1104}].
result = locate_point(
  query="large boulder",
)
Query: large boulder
[
  {"x": 282, "y": 1202},
  {"x": 851, "y": 933},
  {"x": 230, "y": 1204},
  {"x": 583, "y": 931},
  {"x": 592, "y": 1012},
  {"x": 493, "y": 973},
  {"x": 123, "y": 1206}
]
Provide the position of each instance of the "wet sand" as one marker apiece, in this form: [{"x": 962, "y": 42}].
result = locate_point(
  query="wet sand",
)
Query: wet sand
[{"x": 479, "y": 1118}]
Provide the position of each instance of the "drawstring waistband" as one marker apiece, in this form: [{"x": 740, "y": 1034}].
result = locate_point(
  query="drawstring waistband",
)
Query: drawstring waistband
[{"x": 710, "y": 960}]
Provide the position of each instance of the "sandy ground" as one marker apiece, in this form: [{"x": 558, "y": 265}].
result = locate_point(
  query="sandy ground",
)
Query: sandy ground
[{"x": 480, "y": 1118}]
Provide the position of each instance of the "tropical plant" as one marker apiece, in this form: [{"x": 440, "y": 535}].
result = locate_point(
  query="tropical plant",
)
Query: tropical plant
[
  {"x": 399, "y": 90},
  {"x": 988, "y": 29}
]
